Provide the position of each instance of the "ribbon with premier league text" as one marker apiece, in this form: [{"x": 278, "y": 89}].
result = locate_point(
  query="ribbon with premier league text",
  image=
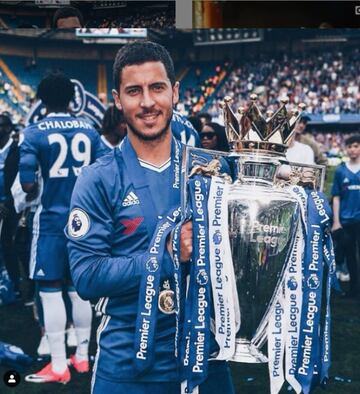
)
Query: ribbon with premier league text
[
  {"x": 284, "y": 317},
  {"x": 332, "y": 282},
  {"x": 224, "y": 293},
  {"x": 149, "y": 293},
  {"x": 196, "y": 330},
  {"x": 309, "y": 352},
  {"x": 295, "y": 327}
]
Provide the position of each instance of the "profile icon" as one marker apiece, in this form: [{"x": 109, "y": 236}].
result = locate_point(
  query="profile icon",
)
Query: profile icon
[{"x": 11, "y": 378}]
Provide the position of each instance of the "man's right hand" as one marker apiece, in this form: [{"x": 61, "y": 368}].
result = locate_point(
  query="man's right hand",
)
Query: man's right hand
[
  {"x": 336, "y": 226},
  {"x": 185, "y": 242}
]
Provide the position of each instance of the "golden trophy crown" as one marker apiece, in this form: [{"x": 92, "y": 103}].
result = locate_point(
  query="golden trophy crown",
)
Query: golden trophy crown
[{"x": 253, "y": 131}]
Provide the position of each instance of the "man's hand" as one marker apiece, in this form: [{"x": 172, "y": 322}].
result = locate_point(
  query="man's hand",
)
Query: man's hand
[
  {"x": 185, "y": 243},
  {"x": 336, "y": 226}
]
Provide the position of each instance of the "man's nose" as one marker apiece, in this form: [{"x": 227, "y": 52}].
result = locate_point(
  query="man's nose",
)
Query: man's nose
[{"x": 147, "y": 100}]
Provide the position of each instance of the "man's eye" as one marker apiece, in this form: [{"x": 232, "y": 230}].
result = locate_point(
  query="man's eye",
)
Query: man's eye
[
  {"x": 158, "y": 88},
  {"x": 133, "y": 91}
]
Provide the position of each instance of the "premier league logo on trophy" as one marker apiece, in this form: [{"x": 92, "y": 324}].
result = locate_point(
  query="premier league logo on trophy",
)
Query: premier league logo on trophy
[{"x": 259, "y": 231}]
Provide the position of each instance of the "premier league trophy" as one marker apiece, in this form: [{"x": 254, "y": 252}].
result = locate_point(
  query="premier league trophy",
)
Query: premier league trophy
[{"x": 266, "y": 272}]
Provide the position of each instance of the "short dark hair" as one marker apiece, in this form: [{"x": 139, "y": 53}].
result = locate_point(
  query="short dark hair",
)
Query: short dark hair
[
  {"x": 56, "y": 90},
  {"x": 67, "y": 12},
  {"x": 139, "y": 52},
  {"x": 205, "y": 115},
  {"x": 354, "y": 139},
  {"x": 304, "y": 119},
  {"x": 112, "y": 118},
  {"x": 196, "y": 122},
  {"x": 5, "y": 116}
]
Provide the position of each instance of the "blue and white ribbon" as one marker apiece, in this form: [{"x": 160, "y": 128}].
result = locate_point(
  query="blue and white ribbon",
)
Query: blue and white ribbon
[
  {"x": 196, "y": 341},
  {"x": 318, "y": 220},
  {"x": 293, "y": 295},
  {"x": 144, "y": 344},
  {"x": 225, "y": 299}
]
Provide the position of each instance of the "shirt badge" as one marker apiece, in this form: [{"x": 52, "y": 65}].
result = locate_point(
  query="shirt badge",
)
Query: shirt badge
[{"x": 79, "y": 223}]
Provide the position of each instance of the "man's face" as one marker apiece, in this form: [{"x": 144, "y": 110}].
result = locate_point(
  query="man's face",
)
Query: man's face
[
  {"x": 146, "y": 98},
  {"x": 353, "y": 150},
  {"x": 70, "y": 22}
]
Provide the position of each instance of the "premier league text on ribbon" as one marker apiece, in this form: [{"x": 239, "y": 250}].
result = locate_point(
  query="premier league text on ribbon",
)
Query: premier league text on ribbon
[
  {"x": 278, "y": 331},
  {"x": 293, "y": 325},
  {"x": 225, "y": 324},
  {"x": 313, "y": 275},
  {"x": 319, "y": 204},
  {"x": 150, "y": 293},
  {"x": 202, "y": 279},
  {"x": 151, "y": 288},
  {"x": 312, "y": 309}
]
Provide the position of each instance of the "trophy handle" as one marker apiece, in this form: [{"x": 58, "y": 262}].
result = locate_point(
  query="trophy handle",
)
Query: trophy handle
[
  {"x": 204, "y": 162},
  {"x": 310, "y": 175}
]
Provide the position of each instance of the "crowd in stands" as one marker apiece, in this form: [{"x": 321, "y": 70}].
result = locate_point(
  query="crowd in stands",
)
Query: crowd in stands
[
  {"x": 327, "y": 83},
  {"x": 195, "y": 97},
  {"x": 158, "y": 20},
  {"x": 9, "y": 99},
  {"x": 132, "y": 17},
  {"x": 332, "y": 144}
]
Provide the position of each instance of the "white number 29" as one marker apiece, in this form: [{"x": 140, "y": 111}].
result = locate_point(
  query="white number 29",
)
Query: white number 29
[{"x": 56, "y": 170}]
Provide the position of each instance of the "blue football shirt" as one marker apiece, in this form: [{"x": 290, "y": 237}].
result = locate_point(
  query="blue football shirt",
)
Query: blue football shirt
[
  {"x": 59, "y": 146},
  {"x": 347, "y": 186},
  {"x": 108, "y": 237}
]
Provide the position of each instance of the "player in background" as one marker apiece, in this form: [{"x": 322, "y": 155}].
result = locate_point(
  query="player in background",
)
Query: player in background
[
  {"x": 59, "y": 146},
  {"x": 184, "y": 131},
  {"x": 113, "y": 128},
  {"x": 346, "y": 209}
]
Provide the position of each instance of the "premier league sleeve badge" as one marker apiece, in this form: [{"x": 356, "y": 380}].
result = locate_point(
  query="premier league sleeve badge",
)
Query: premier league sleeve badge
[{"x": 79, "y": 223}]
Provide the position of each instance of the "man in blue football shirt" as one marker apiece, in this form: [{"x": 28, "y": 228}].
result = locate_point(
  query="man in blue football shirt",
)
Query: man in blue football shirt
[
  {"x": 346, "y": 208},
  {"x": 57, "y": 148},
  {"x": 116, "y": 208}
]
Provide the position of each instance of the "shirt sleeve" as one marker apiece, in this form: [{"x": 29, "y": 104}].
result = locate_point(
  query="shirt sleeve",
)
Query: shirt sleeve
[
  {"x": 95, "y": 272},
  {"x": 28, "y": 157},
  {"x": 336, "y": 186}
]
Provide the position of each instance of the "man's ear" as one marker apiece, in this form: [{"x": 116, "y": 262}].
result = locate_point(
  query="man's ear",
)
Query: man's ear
[
  {"x": 116, "y": 98},
  {"x": 176, "y": 92}
]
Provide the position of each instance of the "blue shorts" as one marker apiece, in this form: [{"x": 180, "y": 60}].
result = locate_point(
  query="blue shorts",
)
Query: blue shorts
[
  {"x": 218, "y": 380},
  {"x": 49, "y": 258}
]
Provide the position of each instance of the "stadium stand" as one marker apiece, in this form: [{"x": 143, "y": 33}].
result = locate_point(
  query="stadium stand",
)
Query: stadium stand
[
  {"x": 327, "y": 80},
  {"x": 101, "y": 14},
  {"x": 327, "y": 83}
]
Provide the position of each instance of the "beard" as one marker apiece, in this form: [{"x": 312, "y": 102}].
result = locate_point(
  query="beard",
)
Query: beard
[{"x": 159, "y": 135}]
